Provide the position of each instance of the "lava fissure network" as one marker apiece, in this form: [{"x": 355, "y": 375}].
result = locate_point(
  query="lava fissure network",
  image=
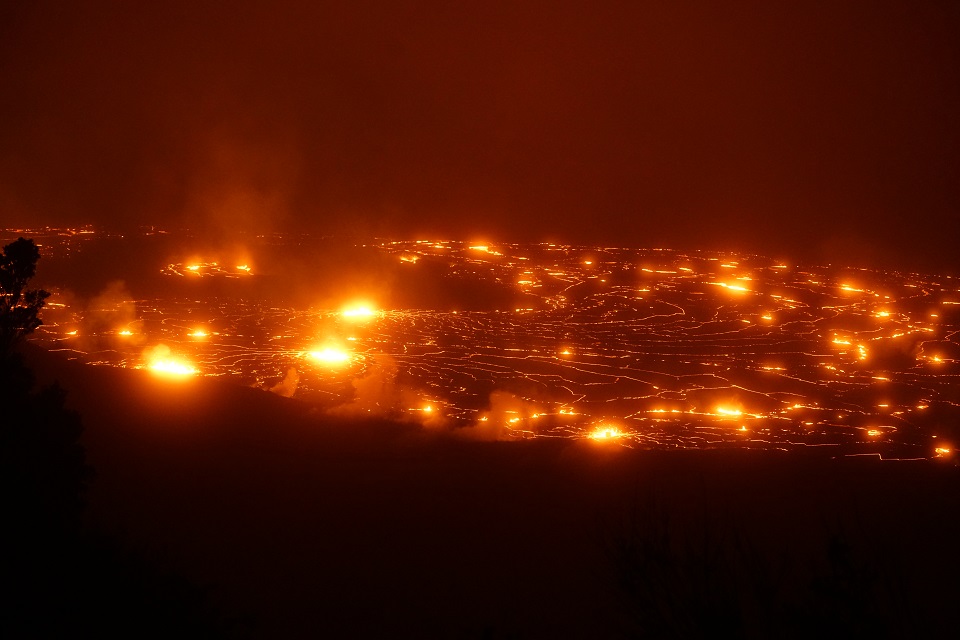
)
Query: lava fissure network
[{"x": 645, "y": 348}]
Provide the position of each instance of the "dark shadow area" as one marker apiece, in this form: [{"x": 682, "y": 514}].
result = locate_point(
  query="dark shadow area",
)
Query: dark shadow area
[
  {"x": 697, "y": 572},
  {"x": 62, "y": 576}
]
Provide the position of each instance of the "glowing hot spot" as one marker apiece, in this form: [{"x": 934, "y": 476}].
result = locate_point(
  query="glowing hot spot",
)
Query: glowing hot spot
[
  {"x": 605, "y": 432},
  {"x": 358, "y": 312},
  {"x": 728, "y": 411},
  {"x": 172, "y": 367},
  {"x": 330, "y": 355}
]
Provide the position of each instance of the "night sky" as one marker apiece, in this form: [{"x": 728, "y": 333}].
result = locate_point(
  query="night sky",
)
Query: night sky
[{"x": 822, "y": 130}]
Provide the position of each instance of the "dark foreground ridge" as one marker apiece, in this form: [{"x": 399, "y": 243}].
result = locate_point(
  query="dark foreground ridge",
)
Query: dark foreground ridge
[{"x": 299, "y": 524}]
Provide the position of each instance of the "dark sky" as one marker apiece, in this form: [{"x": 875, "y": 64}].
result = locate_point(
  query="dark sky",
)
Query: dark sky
[{"x": 823, "y": 129}]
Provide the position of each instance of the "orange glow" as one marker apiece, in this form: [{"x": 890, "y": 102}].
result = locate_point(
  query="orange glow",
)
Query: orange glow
[
  {"x": 605, "y": 432},
  {"x": 172, "y": 367},
  {"x": 874, "y": 432},
  {"x": 731, "y": 287},
  {"x": 330, "y": 355},
  {"x": 159, "y": 360},
  {"x": 360, "y": 311},
  {"x": 199, "y": 333},
  {"x": 72, "y": 333},
  {"x": 728, "y": 411},
  {"x": 193, "y": 267},
  {"x": 243, "y": 267},
  {"x": 942, "y": 452},
  {"x": 125, "y": 332}
]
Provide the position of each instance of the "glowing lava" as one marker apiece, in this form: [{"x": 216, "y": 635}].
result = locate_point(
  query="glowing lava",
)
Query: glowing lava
[
  {"x": 330, "y": 355},
  {"x": 172, "y": 367},
  {"x": 605, "y": 432},
  {"x": 358, "y": 312},
  {"x": 160, "y": 361},
  {"x": 728, "y": 411}
]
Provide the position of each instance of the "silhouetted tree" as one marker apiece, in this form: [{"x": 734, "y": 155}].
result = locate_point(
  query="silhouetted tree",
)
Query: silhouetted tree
[
  {"x": 42, "y": 465},
  {"x": 19, "y": 306}
]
